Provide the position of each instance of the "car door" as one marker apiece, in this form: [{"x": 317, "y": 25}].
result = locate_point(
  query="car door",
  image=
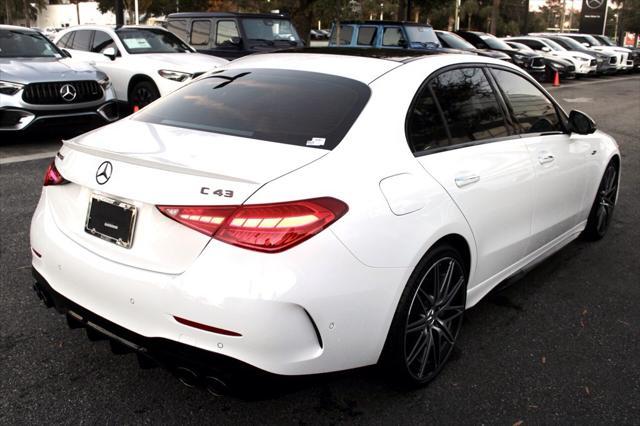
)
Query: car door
[
  {"x": 116, "y": 68},
  {"x": 200, "y": 34},
  {"x": 393, "y": 37},
  {"x": 226, "y": 39},
  {"x": 560, "y": 160},
  {"x": 78, "y": 45},
  {"x": 460, "y": 135}
]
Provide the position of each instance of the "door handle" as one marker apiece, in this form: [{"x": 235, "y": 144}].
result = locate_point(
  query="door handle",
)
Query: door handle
[
  {"x": 465, "y": 180},
  {"x": 545, "y": 157}
]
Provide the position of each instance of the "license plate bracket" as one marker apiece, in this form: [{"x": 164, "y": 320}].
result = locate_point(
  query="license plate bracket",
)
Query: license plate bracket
[{"x": 111, "y": 220}]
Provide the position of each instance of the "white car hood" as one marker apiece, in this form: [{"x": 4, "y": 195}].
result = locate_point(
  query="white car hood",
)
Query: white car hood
[{"x": 186, "y": 62}]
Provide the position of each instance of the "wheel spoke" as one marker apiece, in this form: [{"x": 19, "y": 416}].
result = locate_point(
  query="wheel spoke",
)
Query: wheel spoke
[
  {"x": 452, "y": 293},
  {"x": 442, "y": 290},
  {"x": 456, "y": 310},
  {"x": 443, "y": 329},
  {"x": 420, "y": 343},
  {"x": 425, "y": 356},
  {"x": 416, "y": 325}
]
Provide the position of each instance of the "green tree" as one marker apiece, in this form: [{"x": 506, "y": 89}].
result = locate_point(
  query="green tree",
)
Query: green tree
[
  {"x": 13, "y": 10},
  {"x": 468, "y": 9}
]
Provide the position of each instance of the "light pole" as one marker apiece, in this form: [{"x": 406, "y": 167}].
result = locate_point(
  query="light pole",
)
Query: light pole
[{"x": 382, "y": 11}]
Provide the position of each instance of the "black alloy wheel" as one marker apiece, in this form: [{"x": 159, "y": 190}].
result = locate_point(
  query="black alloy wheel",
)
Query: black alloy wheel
[
  {"x": 602, "y": 210},
  {"x": 429, "y": 318},
  {"x": 142, "y": 94}
]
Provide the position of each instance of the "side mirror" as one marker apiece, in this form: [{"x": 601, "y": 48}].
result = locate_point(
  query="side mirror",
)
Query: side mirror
[
  {"x": 581, "y": 123},
  {"x": 546, "y": 49},
  {"x": 403, "y": 43},
  {"x": 110, "y": 52},
  {"x": 66, "y": 53},
  {"x": 586, "y": 44}
]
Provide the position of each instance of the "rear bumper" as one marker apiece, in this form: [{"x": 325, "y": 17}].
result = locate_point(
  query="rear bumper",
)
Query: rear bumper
[
  {"x": 312, "y": 309},
  {"x": 150, "y": 351}
]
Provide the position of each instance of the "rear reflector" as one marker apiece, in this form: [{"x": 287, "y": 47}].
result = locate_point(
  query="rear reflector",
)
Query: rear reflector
[
  {"x": 206, "y": 327},
  {"x": 263, "y": 227},
  {"x": 52, "y": 176}
]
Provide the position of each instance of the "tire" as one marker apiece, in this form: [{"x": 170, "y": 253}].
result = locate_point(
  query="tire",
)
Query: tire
[
  {"x": 142, "y": 94},
  {"x": 421, "y": 338},
  {"x": 601, "y": 212}
]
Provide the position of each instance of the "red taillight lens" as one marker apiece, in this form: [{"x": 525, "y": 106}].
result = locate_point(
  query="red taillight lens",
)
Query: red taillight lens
[
  {"x": 277, "y": 227},
  {"x": 52, "y": 176},
  {"x": 206, "y": 219},
  {"x": 263, "y": 227}
]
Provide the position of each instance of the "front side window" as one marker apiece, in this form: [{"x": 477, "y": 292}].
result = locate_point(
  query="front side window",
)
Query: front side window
[
  {"x": 366, "y": 36},
  {"x": 81, "y": 40},
  {"x": 25, "y": 44},
  {"x": 422, "y": 35},
  {"x": 266, "y": 105},
  {"x": 151, "y": 40},
  {"x": 65, "y": 41},
  {"x": 533, "y": 111},
  {"x": 226, "y": 32},
  {"x": 469, "y": 105},
  {"x": 101, "y": 41},
  {"x": 393, "y": 37},
  {"x": 200, "y": 31},
  {"x": 271, "y": 30}
]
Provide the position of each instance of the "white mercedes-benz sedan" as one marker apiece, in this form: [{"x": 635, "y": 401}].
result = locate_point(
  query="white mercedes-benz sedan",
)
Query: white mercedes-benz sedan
[{"x": 305, "y": 212}]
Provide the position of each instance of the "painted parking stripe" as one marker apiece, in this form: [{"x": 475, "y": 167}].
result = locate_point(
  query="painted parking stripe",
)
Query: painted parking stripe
[
  {"x": 588, "y": 83},
  {"x": 21, "y": 158}
]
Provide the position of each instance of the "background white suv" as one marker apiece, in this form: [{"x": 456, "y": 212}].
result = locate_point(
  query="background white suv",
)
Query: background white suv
[{"x": 142, "y": 62}]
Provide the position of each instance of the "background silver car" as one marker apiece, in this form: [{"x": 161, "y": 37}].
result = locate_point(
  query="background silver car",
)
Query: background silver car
[{"x": 41, "y": 87}]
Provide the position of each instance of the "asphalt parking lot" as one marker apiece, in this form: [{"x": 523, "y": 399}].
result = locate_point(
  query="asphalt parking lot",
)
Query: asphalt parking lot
[{"x": 560, "y": 345}]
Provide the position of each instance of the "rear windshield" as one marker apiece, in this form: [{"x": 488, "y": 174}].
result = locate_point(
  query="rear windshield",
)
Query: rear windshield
[{"x": 292, "y": 107}]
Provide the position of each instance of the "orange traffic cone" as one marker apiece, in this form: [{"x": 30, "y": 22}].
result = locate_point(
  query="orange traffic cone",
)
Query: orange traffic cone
[
  {"x": 136, "y": 108},
  {"x": 556, "y": 79}
]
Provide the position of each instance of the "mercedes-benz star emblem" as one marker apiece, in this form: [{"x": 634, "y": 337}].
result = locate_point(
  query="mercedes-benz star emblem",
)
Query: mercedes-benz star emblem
[
  {"x": 594, "y": 4},
  {"x": 103, "y": 174},
  {"x": 68, "y": 92}
]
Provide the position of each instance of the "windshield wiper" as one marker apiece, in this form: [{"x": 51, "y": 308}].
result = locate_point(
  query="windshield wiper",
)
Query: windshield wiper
[{"x": 263, "y": 40}]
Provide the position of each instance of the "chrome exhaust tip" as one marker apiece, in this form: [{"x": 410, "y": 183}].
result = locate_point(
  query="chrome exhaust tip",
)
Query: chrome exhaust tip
[
  {"x": 74, "y": 322},
  {"x": 187, "y": 377},
  {"x": 216, "y": 386}
]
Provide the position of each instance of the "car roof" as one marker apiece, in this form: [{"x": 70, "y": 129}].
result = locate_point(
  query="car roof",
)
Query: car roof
[
  {"x": 16, "y": 27},
  {"x": 354, "y": 63},
  {"x": 226, "y": 15},
  {"x": 395, "y": 55},
  {"x": 371, "y": 22},
  {"x": 112, "y": 27}
]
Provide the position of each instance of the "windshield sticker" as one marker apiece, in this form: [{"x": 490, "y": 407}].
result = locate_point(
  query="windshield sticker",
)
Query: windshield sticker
[
  {"x": 316, "y": 142},
  {"x": 137, "y": 43}
]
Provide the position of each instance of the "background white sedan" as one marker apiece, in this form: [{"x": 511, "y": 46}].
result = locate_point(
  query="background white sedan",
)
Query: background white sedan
[{"x": 143, "y": 63}]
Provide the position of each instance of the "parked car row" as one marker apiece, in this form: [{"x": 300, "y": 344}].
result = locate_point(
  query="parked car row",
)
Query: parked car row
[{"x": 114, "y": 71}]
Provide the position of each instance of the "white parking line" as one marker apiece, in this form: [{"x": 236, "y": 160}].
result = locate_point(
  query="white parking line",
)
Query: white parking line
[
  {"x": 587, "y": 83},
  {"x": 21, "y": 158}
]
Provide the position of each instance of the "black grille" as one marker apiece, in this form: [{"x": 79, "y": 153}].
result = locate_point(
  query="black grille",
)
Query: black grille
[
  {"x": 613, "y": 60},
  {"x": 571, "y": 68},
  {"x": 537, "y": 63},
  {"x": 49, "y": 93},
  {"x": 593, "y": 62}
]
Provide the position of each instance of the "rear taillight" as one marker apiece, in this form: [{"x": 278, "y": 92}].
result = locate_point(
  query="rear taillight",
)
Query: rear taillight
[
  {"x": 263, "y": 227},
  {"x": 52, "y": 176}
]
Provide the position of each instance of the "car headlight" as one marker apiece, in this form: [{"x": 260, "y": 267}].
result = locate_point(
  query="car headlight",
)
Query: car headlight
[
  {"x": 518, "y": 58},
  {"x": 556, "y": 66},
  {"x": 105, "y": 83},
  {"x": 9, "y": 88},
  {"x": 580, "y": 59},
  {"x": 175, "y": 75}
]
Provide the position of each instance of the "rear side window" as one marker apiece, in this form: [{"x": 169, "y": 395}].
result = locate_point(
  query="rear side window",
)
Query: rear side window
[
  {"x": 469, "y": 105},
  {"x": 178, "y": 27},
  {"x": 366, "y": 36},
  {"x": 425, "y": 129},
  {"x": 81, "y": 40},
  {"x": 532, "y": 110},
  {"x": 200, "y": 31},
  {"x": 292, "y": 107},
  {"x": 226, "y": 31},
  {"x": 346, "y": 35},
  {"x": 101, "y": 41}
]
